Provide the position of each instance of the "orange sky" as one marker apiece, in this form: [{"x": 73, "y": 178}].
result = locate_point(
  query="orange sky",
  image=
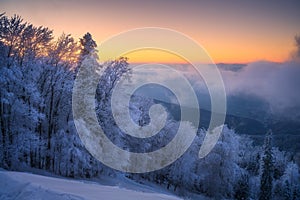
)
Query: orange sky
[{"x": 230, "y": 31}]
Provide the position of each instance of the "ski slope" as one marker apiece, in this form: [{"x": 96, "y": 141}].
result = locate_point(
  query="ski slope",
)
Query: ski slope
[{"x": 26, "y": 186}]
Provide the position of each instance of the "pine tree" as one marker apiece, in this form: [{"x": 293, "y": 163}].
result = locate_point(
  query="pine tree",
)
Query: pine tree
[
  {"x": 88, "y": 45},
  {"x": 266, "y": 180},
  {"x": 287, "y": 190},
  {"x": 242, "y": 188}
]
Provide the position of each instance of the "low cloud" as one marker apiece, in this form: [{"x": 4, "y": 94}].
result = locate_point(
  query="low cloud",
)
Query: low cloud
[{"x": 276, "y": 83}]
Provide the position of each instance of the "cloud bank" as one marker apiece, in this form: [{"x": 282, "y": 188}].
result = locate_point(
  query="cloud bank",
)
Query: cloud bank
[{"x": 276, "y": 83}]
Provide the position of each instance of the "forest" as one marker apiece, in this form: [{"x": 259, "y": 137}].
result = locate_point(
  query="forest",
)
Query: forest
[{"x": 37, "y": 131}]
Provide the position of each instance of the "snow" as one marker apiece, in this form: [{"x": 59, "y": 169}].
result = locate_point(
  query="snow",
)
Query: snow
[{"x": 25, "y": 186}]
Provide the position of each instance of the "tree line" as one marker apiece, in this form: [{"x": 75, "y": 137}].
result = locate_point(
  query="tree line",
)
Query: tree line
[{"x": 37, "y": 73}]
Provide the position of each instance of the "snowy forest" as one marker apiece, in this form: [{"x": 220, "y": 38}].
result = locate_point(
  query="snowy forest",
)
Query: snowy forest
[{"x": 37, "y": 131}]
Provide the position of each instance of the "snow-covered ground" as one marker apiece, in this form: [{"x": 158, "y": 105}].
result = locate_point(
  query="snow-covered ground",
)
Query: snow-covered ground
[{"x": 26, "y": 186}]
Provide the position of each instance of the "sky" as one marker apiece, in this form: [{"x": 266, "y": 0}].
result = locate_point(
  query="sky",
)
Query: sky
[{"x": 231, "y": 31}]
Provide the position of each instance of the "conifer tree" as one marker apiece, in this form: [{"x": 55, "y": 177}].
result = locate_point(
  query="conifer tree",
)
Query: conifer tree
[{"x": 266, "y": 180}]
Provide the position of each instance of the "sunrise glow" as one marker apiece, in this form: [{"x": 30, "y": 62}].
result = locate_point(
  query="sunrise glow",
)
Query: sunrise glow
[{"x": 230, "y": 32}]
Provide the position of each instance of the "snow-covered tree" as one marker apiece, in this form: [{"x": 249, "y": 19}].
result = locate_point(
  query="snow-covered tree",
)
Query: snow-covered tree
[
  {"x": 241, "y": 188},
  {"x": 266, "y": 182},
  {"x": 37, "y": 127},
  {"x": 65, "y": 51},
  {"x": 88, "y": 45},
  {"x": 291, "y": 182}
]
